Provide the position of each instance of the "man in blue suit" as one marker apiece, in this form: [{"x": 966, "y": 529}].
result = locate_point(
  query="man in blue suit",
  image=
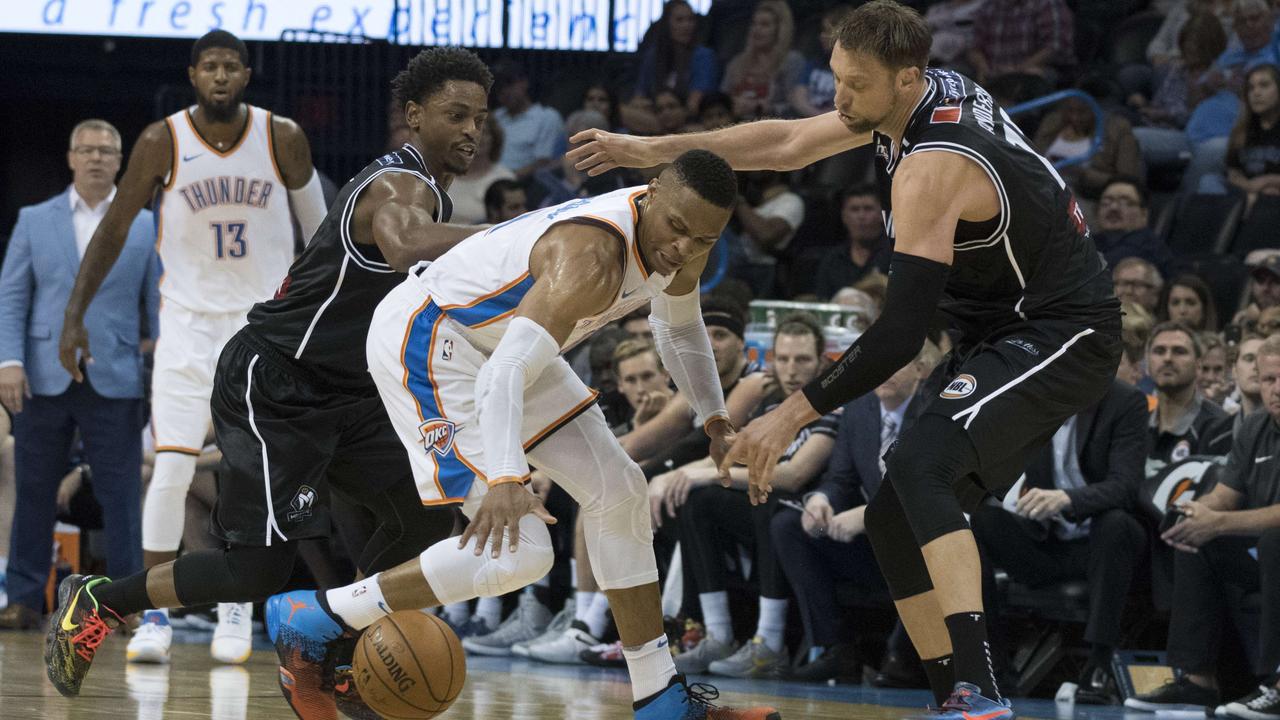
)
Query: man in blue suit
[
  {"x": 827, "y": 542},
  {"x": 40, "y": 268}
]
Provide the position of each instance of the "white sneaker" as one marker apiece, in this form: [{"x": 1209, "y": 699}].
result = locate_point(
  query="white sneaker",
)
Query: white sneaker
[
  {"x": 699, "y": 659},
  {"x": 150, "y": 642},
  {"x": 233, "y": 638},
  {"x": 528, "y": 622},
  {"x": 566, "y": 648},
  {"x": 558, "y": 625}
]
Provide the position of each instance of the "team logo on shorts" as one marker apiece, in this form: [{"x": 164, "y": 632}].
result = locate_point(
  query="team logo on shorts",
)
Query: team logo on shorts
[
  {"x": 962, "y": 386},
  {"x": 300, "y": 505},
  {"x": 437, "y": 435}
]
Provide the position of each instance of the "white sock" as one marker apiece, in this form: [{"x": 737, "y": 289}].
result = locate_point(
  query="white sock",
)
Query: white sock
[
  {"x": 359, "y": 604},
  {"x": 489, "y": 609},
  {"x": 458, "y": 613},
  {"x": 598, "y": 616},
  {"x": 773, "y": 622},
  {"x": 582, "y": 605},
  {"x": 573, "y": 573},
  {"x": 716, "y": 617},
  {"x": 650, "y": 666}
]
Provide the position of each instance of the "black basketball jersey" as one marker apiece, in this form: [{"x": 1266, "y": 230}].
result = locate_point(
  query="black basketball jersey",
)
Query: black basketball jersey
[
  {"x": 1036, "y": 258},
  {"x": 320, "y": 316}
]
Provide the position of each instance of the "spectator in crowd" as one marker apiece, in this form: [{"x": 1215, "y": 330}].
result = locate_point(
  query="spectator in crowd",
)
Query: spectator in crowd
[
  {"x": 1022, "y": 37},
  {"x": 672, "y": 112},
  {"x": 641, "y": 379},
  {"x": 952, "y": 23},
  {"x": 672, "y": 59},
  {"x": 1253, "y": 150},
  {"x": 712, "y": 517},
  {"x": 1067, "y": 132},
  {"x": 562, "y": 182},
  {"x": 715, "y": 111},
  {"x": 1211, "y": 373},
  {"x": 1246, "y": 398},
  {"x": 826, "y": 542},
  {"x": 636, "y": 324},
  {"x": 1074, "y": 521},
  {"x": 107, "y": 409},
  {"x": 1229, "y": 546},
  {"x": 1166, "y": 47},
  {"x": 532, "y": 131},
  {"x": 1135, "y": 331},
  {"x": 759, "y": 78},
  {"x": 768, "y": 213},
  {"x": 865, "y": 247},
  {"x": 815, "y": 94},
  {"x": 467, "y": 191},
  {"x": 1123, "y": 229},
  {"x": 504, "y": 200},
  {"x": 600, "y": 98},
  {"x": 1184, "y": 423},
  {"x": 865, "y": 308},
  {"x": 1252, "y": 26},
  {"x": 1138, "y": 281},
  {"x": 1189, "y": 301}
]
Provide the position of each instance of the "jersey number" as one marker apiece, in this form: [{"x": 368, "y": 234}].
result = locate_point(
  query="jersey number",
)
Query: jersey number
[{"x": 228, "y": 239}]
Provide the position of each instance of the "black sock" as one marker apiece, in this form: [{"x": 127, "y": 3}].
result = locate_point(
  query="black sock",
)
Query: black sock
[
  {"x": 972, "y": 652},
  {"x": 942, "y": 677},
  {"x": 124, "y": 596}
]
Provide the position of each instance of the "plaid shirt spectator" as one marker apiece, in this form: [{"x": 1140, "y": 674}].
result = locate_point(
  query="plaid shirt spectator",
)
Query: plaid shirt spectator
[{"x": 1009, "y": 32}]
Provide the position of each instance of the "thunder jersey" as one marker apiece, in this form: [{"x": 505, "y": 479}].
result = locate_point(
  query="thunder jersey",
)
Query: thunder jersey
[
  {"x": 481, "y": 280},
  {"x": 320, "y": 316},
  {"x": 224, "y": 232},
  {"x": 1034, "y": 260}
]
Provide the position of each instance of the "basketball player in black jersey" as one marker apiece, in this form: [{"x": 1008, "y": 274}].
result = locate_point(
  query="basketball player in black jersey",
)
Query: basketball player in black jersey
[
  {"x": 295, "y": 411},
  {"x": 987, "y": 233}
]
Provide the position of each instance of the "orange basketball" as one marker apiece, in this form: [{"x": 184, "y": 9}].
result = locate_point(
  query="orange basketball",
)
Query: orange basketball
[{"x": 409, "y": 666}]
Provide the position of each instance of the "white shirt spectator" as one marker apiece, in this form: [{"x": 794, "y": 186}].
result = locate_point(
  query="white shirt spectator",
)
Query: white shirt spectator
[
  {"x": 531, "y": 135},
  {"x": 467, "y": 194},
  {"x": 786, "y": 205},
  {"x": 86, "y": 219}
]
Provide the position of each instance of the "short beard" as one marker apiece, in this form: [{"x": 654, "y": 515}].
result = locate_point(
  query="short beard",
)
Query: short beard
[{"x": 223, "y": 113}]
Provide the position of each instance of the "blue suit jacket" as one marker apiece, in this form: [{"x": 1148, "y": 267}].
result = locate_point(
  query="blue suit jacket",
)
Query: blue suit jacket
[
  {"x": 853, "y": 473},
  {"x": 39, "y": 272}
]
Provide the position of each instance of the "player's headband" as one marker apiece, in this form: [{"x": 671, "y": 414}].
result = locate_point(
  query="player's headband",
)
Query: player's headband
[{"x": 726, "y": 320}]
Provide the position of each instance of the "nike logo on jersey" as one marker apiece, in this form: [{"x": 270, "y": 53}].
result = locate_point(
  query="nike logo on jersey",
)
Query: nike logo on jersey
[
  {"x": 627, "y": 295},
  {"x": 189, "y": 158}
]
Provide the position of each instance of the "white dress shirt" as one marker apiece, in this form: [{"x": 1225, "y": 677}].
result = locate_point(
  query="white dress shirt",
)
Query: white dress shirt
[{"x": 86, "y": 219}]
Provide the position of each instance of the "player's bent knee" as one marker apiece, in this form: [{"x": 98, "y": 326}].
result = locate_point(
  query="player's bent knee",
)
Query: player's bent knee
[
  {"x": 457, "y": 575},
  {"x": 260, "y": 571}
]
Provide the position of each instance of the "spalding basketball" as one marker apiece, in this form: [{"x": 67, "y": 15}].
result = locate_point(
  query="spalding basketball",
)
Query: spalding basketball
[{"x": 409, "y": 666}]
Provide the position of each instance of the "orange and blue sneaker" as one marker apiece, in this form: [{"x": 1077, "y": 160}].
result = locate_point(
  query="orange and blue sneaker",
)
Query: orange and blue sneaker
[
  {"x": 968, "y": 703},
  {"x": 682, "y": 701},
  {"x": 76, "y": 629},
  {"x": 306, "y": 638}
]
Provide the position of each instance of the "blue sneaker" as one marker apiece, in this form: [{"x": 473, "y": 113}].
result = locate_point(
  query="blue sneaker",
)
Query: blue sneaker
[
  {"x": 682, "y": 701},
  {"x": 307, "y": 639},
  {"x": 967, "y": 703}
]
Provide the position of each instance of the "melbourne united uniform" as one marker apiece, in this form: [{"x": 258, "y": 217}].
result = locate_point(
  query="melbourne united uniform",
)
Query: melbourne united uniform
[
  {"x": 1039, "y": 323},
  {"x": 225, "y": 239},
  {"x": 294, "y": 406}
]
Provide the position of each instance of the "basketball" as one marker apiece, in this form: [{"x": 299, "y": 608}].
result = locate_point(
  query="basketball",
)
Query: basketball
[{"x": 409, "y": 666}]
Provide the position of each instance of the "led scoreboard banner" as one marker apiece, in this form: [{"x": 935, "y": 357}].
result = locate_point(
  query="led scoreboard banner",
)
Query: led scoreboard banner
[{"x": 517, "y": 24}]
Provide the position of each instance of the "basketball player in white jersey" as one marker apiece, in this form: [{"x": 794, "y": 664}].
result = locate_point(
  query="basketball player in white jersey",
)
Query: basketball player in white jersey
[
  {"x": 227, "y": 175},
  {"x": 467, "y": 357}
]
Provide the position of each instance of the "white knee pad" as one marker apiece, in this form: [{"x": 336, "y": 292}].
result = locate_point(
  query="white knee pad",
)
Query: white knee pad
[
  {"x": 165, "y": 507},
  {"x": 619, "y": 531},
  {"x": 457, "y": 574}
]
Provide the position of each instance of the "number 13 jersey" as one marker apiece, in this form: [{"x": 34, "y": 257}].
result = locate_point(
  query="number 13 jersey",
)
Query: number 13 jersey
[{"x": 224, "y": 231}]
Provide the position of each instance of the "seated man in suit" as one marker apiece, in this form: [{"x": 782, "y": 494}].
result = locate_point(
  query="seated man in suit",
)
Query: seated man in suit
[
  {"x": 39, "y": 269},
  {"x": 1073, "y": 520},
  {"x": 827, "y": 542}
]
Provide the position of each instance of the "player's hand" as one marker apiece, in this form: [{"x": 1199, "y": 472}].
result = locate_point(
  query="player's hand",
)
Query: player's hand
[
  {"x": 1199, "y": 525},
  {"x": 848, "y": 525},
  {"x": 500, "y": 511},
  {"x": 540, "y": 485},
  {"x": 760, "y": 444},
  {"x": 816, "y": 518},
  {"x": 682, "y": 483},
  {"x": 722, "y": 434},
  {"x": 602, "y": 151},
  {"x": 73, "y": 346},
  {"x": 658, "y": 494},
  {"x": 13, "y": 388},
  {"x": 1040, "y": 504}
]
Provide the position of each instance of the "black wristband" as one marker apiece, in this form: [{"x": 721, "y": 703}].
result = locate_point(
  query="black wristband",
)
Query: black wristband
[{"x": 892, "y": 341}]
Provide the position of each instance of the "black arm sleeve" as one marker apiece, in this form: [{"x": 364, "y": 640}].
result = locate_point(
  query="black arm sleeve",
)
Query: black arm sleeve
[{"x": 892, "y": 341}]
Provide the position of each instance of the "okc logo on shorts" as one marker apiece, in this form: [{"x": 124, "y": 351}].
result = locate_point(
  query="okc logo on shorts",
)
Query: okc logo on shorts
[
  {"x": 962, "y": 386},
  {"x": 437, "y": 435}
]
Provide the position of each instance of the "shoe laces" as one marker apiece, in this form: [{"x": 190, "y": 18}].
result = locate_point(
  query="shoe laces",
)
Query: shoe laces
[
  {"x": 235, "y": 615},
  {"x": 1269, "y": 696},
  {"x": 701, "y": 694},
  {"x": 93, "y": 631}
]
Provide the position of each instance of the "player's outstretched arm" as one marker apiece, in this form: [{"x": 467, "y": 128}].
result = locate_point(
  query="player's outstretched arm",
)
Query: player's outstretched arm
[
  {"x": 759, "y": 145},
  {"x": 149, "y": 165},
  {"x": 396, "y": 213}
]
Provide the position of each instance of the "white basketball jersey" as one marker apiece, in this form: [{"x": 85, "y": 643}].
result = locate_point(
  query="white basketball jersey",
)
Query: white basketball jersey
[
  {"x": 481, "y": 280},
  {"x": 224, "y": 231}
]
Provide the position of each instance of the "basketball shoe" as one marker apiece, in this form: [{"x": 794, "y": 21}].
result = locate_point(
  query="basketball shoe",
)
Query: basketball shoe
[
  {"x": 755, "y": 659},
  {"x": 682, "y": 701},
  {"x": 233, "y": 638},
  {"x": 307, "y": 643},
  {"x": 559, "y": 624},
  {"x": 529, "y": 621},
  {"x": 76, "y": 629},
  {"x": 567, "y": 648},
  {"x": 150, "y": 642},
  {"x": 968, "y": 703}
]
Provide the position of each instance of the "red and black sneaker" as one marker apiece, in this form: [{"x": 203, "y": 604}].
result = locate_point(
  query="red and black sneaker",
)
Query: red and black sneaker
[{"x": 76, "y": 629}]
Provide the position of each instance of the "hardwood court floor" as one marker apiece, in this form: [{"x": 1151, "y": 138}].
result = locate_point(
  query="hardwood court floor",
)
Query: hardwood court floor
[{"x": 193, "y": 686}]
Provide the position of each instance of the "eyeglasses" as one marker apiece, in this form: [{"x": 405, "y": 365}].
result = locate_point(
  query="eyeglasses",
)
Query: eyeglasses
[{"x": 103, "y": 150}]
